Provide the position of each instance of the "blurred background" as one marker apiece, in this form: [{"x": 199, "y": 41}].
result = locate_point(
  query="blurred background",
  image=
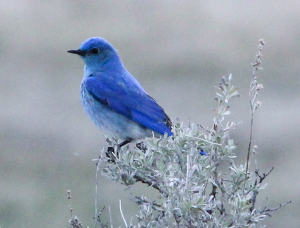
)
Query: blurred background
[{"x": 178, "y": 50}]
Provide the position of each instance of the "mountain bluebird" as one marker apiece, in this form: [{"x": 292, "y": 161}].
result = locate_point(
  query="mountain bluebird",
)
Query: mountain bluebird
[{"x": 113, "y": 99}]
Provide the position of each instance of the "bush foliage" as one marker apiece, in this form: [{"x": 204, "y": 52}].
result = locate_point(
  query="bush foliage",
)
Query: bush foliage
[{"x": 195, "y": 190}]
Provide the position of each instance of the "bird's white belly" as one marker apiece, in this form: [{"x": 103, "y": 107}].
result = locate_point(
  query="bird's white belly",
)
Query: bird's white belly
[{"x": 110, "y": 122}]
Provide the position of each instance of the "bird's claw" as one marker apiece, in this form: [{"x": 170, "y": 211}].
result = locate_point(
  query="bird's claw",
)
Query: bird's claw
[
  {"x": 110, "y": 153},
  {"x": 141, "y": 146}
]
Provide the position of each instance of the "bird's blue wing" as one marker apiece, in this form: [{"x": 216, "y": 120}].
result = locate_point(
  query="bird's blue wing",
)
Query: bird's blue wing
[{"x": 132, "y": 102}]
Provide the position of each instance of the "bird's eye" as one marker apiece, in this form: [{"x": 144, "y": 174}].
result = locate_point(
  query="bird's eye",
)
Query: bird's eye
[{"x": 95, "y": 50}]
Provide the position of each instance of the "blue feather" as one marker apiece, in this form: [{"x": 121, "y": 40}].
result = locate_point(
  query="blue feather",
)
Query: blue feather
[{"x": 136, "y": 106}]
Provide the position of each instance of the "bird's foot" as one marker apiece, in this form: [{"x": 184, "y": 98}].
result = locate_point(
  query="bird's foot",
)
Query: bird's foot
[
  {"x": 110, "y": 153},
  {"x": 141, "y": 146}
]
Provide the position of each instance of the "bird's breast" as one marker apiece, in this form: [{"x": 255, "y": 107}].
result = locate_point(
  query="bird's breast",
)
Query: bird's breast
[{"x": 110, "y": 122}]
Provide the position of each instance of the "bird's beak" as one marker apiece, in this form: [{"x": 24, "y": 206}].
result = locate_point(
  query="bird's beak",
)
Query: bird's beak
[{"x": 78, "y": 52}]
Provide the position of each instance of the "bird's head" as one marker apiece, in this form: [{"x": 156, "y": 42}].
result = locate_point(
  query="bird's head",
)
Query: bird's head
[{"x": 97, "y": 53}]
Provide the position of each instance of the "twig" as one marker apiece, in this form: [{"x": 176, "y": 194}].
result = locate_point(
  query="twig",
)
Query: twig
[
  {"x": 214, "y": 187},
  {"x": 96, "y": 193},
  {"x": 122, "y": 214},
  {"x": 249, "y": 147},
  {"x": 140, "y": 200},
  {"x": 70, "y": 197},
  {"x": 261, "y": 178},
  {"x": 208, "y": 131},
  {"x": 252, "y": 94},
  {"x": 110, "y": 218},
  {"x": 148, "y": 182},
  {"x": 103, "y": 225},
  {"x": 265, "y": 210}
]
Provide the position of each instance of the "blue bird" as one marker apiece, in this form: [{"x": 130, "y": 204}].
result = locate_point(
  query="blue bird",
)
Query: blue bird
[{"x": 113, "y": 99}]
